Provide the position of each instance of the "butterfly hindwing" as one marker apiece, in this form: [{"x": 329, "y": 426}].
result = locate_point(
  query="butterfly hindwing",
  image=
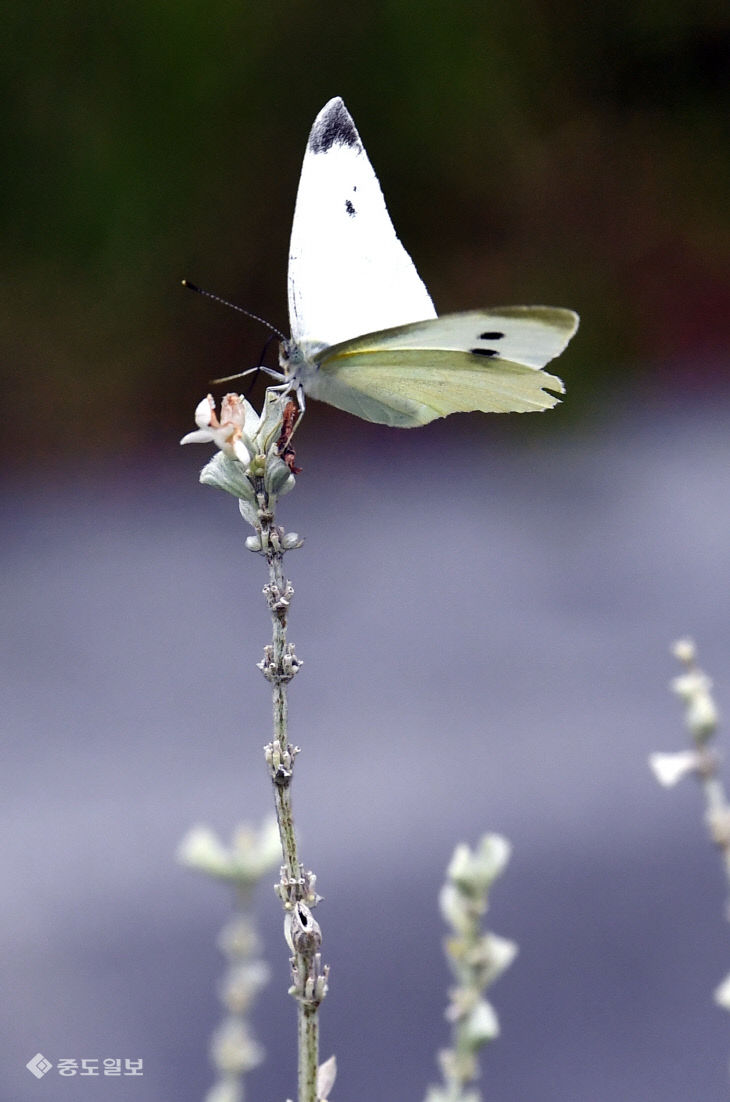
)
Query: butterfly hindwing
[{"x": 489, "y": 361}]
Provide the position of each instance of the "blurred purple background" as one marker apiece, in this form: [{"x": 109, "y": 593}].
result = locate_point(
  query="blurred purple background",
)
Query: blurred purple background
[{"x": 485, "y": 629}]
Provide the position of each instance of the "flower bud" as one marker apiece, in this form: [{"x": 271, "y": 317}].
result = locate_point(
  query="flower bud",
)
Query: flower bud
[
  {"x": 684, "y": 650},
  {"x": 278, "y": 479},
  {"x": 482, "y": 1025}
]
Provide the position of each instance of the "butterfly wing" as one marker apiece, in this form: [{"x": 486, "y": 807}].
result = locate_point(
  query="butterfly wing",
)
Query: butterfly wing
[
  {"x": 480, "y": 360},
  {"x": 348, "y": 272}
]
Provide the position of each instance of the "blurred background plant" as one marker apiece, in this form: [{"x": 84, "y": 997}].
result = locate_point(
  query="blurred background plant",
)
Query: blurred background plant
[
  {"x": 477, "y": 958},
  {"x": 694, "y": 687},
  {"x": 234, "y": 1050}
]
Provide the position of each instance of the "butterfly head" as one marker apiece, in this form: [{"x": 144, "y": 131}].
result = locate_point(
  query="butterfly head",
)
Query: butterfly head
[{"x": 298, "y": 360}]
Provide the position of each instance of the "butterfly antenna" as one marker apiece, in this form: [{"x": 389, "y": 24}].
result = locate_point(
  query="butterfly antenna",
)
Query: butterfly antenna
[{"x": 217, "y": 298}]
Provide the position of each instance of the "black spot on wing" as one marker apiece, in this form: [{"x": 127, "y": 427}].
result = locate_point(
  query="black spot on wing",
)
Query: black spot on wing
[
  {"x": 333, "y": 126},
  {"x": 350, "y": 208},
  {"x": 489, "y": 336}
]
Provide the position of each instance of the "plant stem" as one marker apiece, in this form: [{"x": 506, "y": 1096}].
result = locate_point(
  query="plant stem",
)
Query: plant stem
[
  {"x": 296, "y": 888},
  {"x": 718, "y": 811},
  {"x": 308, "y": 1035},
  {"x": 279, "y": 593}
]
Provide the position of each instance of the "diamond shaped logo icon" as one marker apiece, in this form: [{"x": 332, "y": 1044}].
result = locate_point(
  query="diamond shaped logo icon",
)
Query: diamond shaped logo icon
[{"x": 39, "y": 1065}]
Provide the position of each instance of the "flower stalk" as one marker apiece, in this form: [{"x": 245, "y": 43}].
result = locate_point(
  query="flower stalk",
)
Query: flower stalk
[
  {"x": 296, "y": 888},
  {"x": 255, "y": 463}
]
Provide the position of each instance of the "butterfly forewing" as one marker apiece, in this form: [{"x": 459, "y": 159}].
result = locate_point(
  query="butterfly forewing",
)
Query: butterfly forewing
[
  {"x": 348, "y": 272},
  {"x": 532, "y": 335}
]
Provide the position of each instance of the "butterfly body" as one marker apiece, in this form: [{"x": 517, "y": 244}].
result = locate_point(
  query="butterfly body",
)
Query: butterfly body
[{"x": 365, "y": 334}]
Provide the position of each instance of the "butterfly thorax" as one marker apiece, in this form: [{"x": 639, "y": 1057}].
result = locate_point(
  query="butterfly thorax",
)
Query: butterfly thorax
[{"x": 299, "y": 362}]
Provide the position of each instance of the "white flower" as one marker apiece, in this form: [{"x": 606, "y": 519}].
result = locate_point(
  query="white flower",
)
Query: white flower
[
  {"x": 248, "y": 463},
  {"x": 701, "y": 715},
  {"x": 256, "y": 852},
  {"x": 233, "y": 1050},
  {"x": 454, "y": 908},
  {"x": 251, "y": 855},
  {"x": 722, "y": 994},
  {"x": 670, "y": 768},
  {"x": 499, "y": 954},
  {"x": 241, "y": 984},
  {"x": 691, "y": 684},
  {"x": 202, "y": 849},
  {"x": 482, "y": 1025},
  {"x": 473, "y": 871},
  {"x": 232, "y": 433}
]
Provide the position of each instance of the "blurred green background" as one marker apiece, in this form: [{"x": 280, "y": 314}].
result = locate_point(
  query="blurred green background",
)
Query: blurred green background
[{"x": 534, "y": 151}]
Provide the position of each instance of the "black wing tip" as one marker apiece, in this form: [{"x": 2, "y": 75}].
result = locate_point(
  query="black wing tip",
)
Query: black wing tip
[{"x": 333, "y": 126}]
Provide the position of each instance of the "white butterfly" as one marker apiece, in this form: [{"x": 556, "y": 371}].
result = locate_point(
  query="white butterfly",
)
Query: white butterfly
[{"x": 365, "y": 336}]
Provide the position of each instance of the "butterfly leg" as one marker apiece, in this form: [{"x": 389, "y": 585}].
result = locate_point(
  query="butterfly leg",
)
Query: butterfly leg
[{"x": 241, "y": 374}]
